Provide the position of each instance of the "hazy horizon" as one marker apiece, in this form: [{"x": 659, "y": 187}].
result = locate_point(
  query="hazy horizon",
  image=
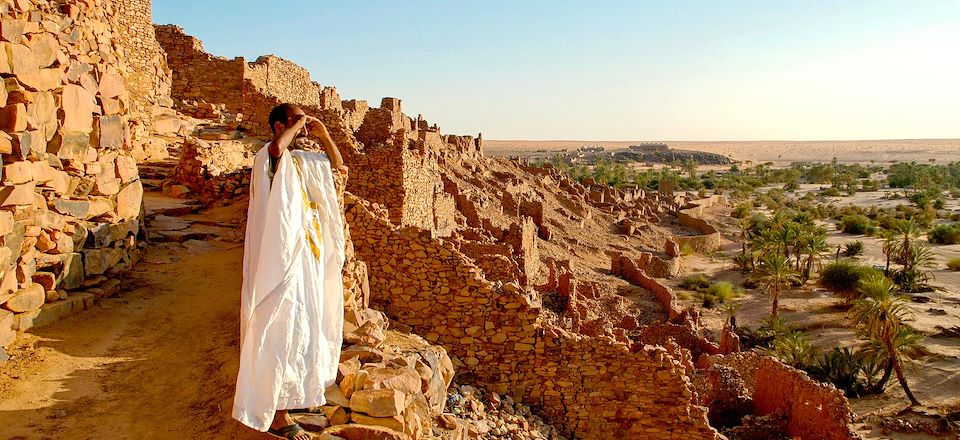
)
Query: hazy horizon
[{"x": 620, "y": 70}]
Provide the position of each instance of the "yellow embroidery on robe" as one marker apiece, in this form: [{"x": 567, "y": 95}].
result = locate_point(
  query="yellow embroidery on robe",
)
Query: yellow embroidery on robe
[{"x": 311, "y": 209}]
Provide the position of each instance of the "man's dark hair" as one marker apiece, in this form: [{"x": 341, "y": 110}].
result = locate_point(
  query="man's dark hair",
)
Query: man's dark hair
[{"x": 280, "y": 113}]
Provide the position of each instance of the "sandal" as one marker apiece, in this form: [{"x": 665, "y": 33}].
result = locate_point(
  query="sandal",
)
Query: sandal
[{"x": 287, "y": 432}]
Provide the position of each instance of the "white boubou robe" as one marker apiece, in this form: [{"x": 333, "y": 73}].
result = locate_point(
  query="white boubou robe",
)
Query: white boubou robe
[{"x": 291, "y": 310}]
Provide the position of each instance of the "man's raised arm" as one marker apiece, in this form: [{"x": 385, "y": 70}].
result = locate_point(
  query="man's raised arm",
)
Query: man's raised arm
[{"x": 319, "y": 130}]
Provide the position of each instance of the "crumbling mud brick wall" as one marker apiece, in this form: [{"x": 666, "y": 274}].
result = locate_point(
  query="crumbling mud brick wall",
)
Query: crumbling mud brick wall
[
  {"x": 630, "y": 270},
  {"x": 148, "y": 79},
  {"x": 812, "y": 409},
  {"x": 709, "y": 238},
  {"x": 70, "y": 195},
  {"x": 591, "y": 387},
  {"x": 198, "y": 75}
]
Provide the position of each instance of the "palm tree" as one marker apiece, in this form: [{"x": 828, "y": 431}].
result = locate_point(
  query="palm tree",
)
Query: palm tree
[
  {"x": 905, "y": 231},
  {"x": 776, "y": 273},
  {"x": 880, "y": 315},
  {"x": 915, "y": 272},
  {"x": 889, "y": 247},
  {"x": 815, "y": 246}
]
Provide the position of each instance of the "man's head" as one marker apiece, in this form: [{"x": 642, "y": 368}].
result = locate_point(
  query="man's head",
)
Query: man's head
[{"x": 285, "y": 115}]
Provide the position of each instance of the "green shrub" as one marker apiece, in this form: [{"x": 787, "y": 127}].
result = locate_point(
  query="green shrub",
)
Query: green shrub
[
  {"x": 830, "y": 192},
  {"x": 793, "y": 348},
  {"x": 846, "y": 370},
  {"x": 945, "y": 234},
  {"x": 853, "y": 248},
  {"x": 696, "y": 283},
  {"x": 857, "y": 224},
  {"x": 843, "y": 277},
  {"x": 720, "y": 292},
  {"x": 742, "y": 210},
  {"x": 954, "y": 264}
]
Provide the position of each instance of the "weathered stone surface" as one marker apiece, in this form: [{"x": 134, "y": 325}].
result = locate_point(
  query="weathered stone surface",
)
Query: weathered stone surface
[
  {"x": 73, "y": 208},
  {"x": 13, "y": 118},
  {"x": 378, "y": 403},
  {"x": 364, "y": 432},
  {"x": 78, "y": 108},
  {"x": 129, "y": 200},
  {"x": 17, "y": 194},
  {"x": 110, "y": 132},
  {"x": 17, "y": 173},
  {"x": 73, "y": 274},
  {"x": 27, "y": 299}
]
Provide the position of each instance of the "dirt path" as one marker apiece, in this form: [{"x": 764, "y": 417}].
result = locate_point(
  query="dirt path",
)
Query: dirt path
[{"x": 157, "y": 361}]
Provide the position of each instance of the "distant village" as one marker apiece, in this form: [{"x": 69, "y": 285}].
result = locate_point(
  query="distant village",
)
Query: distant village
[{"x": 648, "y": 152}]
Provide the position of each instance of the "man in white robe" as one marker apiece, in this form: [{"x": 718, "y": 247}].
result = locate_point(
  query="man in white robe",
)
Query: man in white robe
[{"x": 291, "y": 317}]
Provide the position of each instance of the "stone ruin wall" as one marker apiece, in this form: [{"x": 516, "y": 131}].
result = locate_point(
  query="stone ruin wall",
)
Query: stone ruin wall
[
  {"x": 148, "y": 80},
  {"x": 809, "y": 408},
  {"x": 70, "y": 196},
  {"x": 709, "y": 238},
  {"x": 198, "y": 75},
  {"x": 591, "y": 387},
  {"x": 284, "y": 80}
]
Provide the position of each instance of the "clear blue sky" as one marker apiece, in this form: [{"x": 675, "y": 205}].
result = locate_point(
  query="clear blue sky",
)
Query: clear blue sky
[{"x": 619, "y": 70}]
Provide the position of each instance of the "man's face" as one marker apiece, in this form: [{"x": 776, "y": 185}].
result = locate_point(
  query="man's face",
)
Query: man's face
[{"x": 294, "y": 115}]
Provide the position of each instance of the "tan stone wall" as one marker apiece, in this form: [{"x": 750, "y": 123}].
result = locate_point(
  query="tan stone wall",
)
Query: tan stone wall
[
  {"x": 284, "y": 80},
  {"x": 594, "y": 388},
  {"x": 70, "y": 196},
  {"x": 709, "y": 240},
  {"x": 812, "y": 409},
  {"x": 198, "y": 75},
  {"x": 148, "y": 79}
]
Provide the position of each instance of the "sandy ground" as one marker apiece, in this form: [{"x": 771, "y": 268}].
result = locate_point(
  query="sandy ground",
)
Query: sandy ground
[
  {"x": 157, "y": 361},
  {"x": 781, "y": 152}
]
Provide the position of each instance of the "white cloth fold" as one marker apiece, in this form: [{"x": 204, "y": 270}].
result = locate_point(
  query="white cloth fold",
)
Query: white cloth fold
[{"x": 291, "y": 310}]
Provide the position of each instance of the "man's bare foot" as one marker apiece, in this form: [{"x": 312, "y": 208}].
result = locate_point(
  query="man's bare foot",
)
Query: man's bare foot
[{"x": 283, "y": 426}]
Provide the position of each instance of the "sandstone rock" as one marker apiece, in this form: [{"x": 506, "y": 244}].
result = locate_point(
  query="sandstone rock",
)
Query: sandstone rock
[
  {"x": 78, "y": 107},
  {"x": 109, "y": 132},
  {"x": 129, "y": 200},
  {"x": 17, "y": 194},
  {"x": 335, "y": 396},
  {"x": 335, "y": 414},
  {"x": 406, "y": 381},
  {"x": 71, "y": 146},
  {"x": 55, "y": 311},
  {"x": 312, "y": 422},
  {"x": 11, "y": 30},
  {"x": 46, "y": 279},
  {"x": 378, "y": 403},
  {"x": 364, "y": 354},
  {"x": 72, "y": 275},
  {"x": 126, "y": 169},
  {"x": 41, "y": 79},
  {"x": 395, "y": 423},
  {"x": 27, "y": 299},
  {"x": 111, "y": 85},
  {"x": 20, "y": 60},
  {"x": 364, "y": 432},
  {"x": 17, "y": 173},
  {"x": 13, "y": 118},
  {"x": 45, "y": 47}
]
